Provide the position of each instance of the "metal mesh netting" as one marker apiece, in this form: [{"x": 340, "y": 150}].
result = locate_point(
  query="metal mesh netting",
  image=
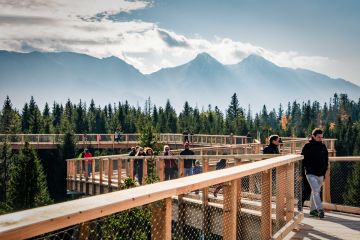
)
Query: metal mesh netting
[
  {"x": 344, "y": 182},
  {"x": 241, "y": 207}
]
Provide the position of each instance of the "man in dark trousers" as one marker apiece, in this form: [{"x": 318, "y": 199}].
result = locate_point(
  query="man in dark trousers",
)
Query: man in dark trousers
[
  {"x": 306, "y": 189},
  {"x": 315, "y": 165},
  {"x": 188, "y": 163},
  {"x": 273, "y": 147}
]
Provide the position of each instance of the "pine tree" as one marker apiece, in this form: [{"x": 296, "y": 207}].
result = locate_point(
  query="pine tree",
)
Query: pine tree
[
  {"x": 25, "y": 119},
  {"x": 35, "y": 120},
  {"x": 9, "y": 118},
  {"x": 67, "y": 118},
  {"x": 5, "y": 159},
  {"x": 80, "y": 118},
  {"x": 56, "y": 117},
  {"x": 171, "y": 118},
  {"x": 27, "y": 182},
  {"x": 47, "y": 121}
]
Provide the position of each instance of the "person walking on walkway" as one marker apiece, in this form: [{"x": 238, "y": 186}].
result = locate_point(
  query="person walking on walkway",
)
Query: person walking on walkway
[{"x": 315, "y": 165}]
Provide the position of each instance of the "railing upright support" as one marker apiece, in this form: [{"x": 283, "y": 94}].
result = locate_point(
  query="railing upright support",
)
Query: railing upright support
[
  {"x": 110, "y": 173},
  {"x": 266, "y": 226},
  {"x": 161, "y": 221},
  {"x": 119, "y": 169},
  {"x": 230, "y": 210},
  {"x": 290, "y": 192},
  {"x": 280, "y": 195}
]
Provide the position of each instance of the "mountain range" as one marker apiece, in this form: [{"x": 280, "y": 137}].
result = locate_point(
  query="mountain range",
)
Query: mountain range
[{"x": 202, "y": 81}]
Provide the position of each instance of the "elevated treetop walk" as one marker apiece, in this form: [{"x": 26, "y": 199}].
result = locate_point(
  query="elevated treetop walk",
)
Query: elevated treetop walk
[{"x": 108, "y": 141}]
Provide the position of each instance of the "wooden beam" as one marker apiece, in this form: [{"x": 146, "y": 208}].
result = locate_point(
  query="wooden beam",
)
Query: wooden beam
[
  {"x": 110, "y": 173},
  {"x": 161, "y": 169},
  {"x": 230, "y": 210},
  {"x": 280, "y": 195},
  {"x": 161, "y": 221},
  {"x": 266, "y": 223},
  {"x": 119, "y": 168},
  {"x": 101, "y": 176},
  {"x": 290, "y": 200}
]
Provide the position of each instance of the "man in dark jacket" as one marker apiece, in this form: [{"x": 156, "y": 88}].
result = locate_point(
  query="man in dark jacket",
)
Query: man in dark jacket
[
  {"x": 273, "y": 147},
  {"x": 315, "y": 165},
  {"x": 188, "y": 163}
]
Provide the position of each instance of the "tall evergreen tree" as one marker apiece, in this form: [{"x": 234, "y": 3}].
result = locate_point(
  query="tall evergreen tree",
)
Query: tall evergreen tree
[
  {"x": 35, "y": 119},
  {"x": 27, "y": 182},
  {"x": 5, "y": 159},
  {"x": 47, "y": 121},
  {"x": 25, "y": 119},
  {"x": 9, "y": 118}
]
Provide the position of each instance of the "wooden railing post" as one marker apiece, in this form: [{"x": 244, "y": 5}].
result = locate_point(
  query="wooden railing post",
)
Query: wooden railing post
[
  {"x": 145, "y": 167},
  {"x": 326, "y": 186},
  {"x": 266, "y": 226},
  {"x": 161, "y": 169},
  {"x": 230, "y": 210},
  {"x": 75, "y": 176},
  {"x": 181, "y": 168},
  {"x": 131, "y": 168},
  {"x": 101, "y": 175},
  {"x": 84, "y": 231},
  {"x": 290, "y": 192},
  {"x": 93, "y": 162},
  {"x": 205, "y": 200},
  {"x": 110, "y": 173},
  {"x": 82, "y": 163},
  {"x": 68, "y": 175},
  {"x": 119, "y": 168},
  {"x": 161, "y": 221},
  {"x": 280, "y": 196}
]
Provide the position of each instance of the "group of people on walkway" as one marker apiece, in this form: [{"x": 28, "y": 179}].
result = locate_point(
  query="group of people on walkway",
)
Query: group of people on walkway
[
  {"x": 313, "y": 170},
  {"x": 191, "y": 166}
]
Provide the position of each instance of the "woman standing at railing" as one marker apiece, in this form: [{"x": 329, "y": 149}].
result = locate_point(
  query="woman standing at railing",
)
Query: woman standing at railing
[
  {"x": 138, "y": 165},
  {"x": 170, "y": 164},
  {"x": 87, "y": 154},
  {"x": 150, "y": 162}
]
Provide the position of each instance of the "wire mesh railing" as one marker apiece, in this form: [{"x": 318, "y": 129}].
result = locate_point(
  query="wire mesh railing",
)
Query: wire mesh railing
[
  {"x": 345, "y": 181},
  {"x": 98, "y": 175},
  {"x": 253, "y": 201}
]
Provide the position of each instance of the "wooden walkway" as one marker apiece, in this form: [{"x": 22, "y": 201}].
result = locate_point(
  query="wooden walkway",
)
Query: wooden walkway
[{"x": 334, "y": 226}]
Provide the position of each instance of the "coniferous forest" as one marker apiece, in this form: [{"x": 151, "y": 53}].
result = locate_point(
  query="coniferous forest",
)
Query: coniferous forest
[{"x": 339, "y": 118}]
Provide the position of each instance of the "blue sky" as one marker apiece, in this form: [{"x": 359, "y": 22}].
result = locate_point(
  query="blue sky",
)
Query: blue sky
[{"x": 315, "y": 34}]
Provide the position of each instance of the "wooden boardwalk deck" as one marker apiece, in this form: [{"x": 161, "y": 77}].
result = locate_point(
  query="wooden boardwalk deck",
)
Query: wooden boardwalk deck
[{"x": 334, "y": 226}]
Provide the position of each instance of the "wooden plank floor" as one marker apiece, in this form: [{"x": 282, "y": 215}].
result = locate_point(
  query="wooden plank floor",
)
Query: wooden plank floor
[{"x": 335, "y": 225}]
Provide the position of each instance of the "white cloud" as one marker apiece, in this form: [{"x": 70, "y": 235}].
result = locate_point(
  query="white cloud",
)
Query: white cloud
[{"x": 82, "y": 26}]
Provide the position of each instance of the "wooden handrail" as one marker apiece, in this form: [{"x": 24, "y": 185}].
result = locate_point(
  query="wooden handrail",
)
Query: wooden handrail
[{"x": 34, "y": 222}]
